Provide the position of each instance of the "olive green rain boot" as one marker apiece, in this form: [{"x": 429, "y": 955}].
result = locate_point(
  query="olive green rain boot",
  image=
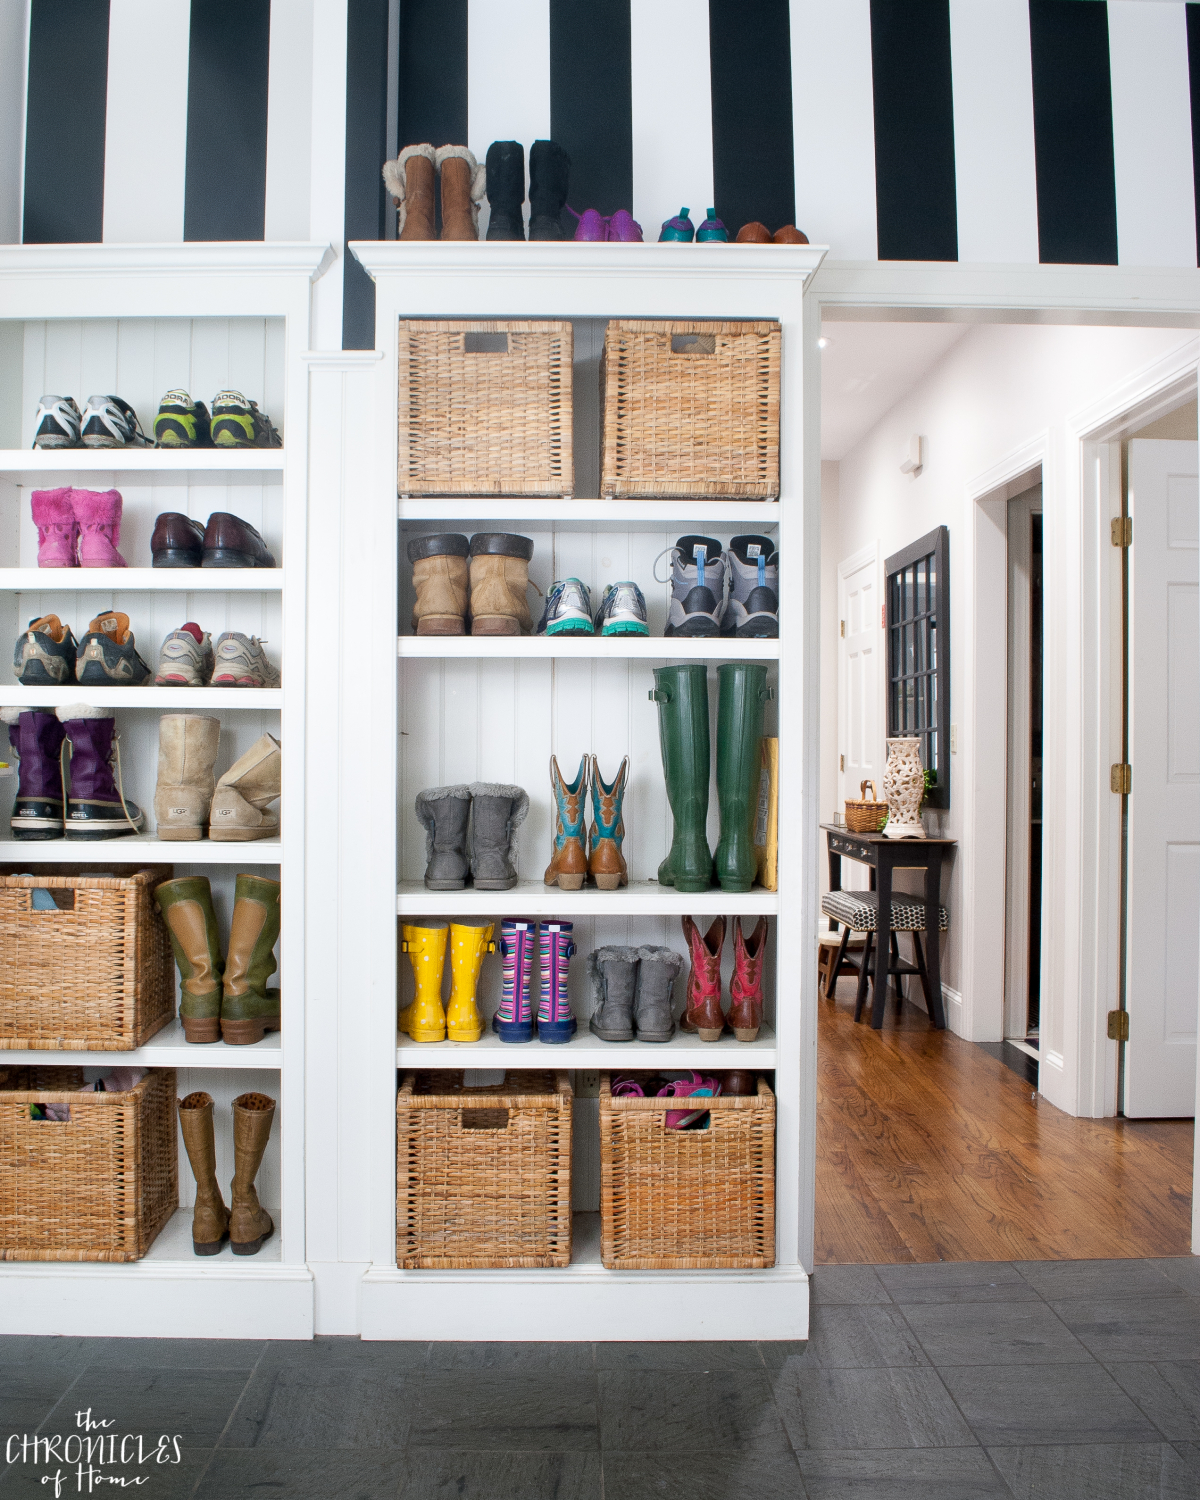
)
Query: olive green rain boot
[
  {"x": 682, "y": 697},
  {"x": 740, "y": 705},
  {"x": 187, "y": 908},
  {"x": 248, "y": 1008}
]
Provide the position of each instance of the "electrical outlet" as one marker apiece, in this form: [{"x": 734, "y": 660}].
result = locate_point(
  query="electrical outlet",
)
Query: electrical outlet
[
  {"x": 587, "y": 1085},
  {"x": 954, "y": 739}
]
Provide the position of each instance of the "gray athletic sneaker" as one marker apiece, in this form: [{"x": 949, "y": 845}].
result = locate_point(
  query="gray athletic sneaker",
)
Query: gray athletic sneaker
[
  {"x": 622, "y": 610},
  {"x": 697, "y": 587},
  {"x": 242, "y": 662},
  {"x": 186, "y": 658},
  {"x": 753, "y": 609},
  {"x": 568, "y": 609}
]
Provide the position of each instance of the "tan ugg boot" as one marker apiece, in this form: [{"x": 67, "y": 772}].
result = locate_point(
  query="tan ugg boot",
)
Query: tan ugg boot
[
  {"x": 499, "y": 583},
  {"x": 249, "y": 1222},
  {"x": 440, "y": 576},
  {"x": 187, "y": 752},
  {"x": 210, "y": 1218},
  {"x": 241, "y": 803},
  {"x": 464, "y": 182},
  {"x": 412, "y": 181}
]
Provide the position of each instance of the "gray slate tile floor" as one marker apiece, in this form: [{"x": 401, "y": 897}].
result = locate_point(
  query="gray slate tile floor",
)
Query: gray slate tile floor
[{"x": 1040, "y": 1381}]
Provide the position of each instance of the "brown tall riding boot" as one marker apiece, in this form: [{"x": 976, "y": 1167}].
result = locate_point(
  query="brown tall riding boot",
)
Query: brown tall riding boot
[
  {"x": 464, "y": 182},
  {"x": 499, "y": 582},
  {"x": 440, "y": 579},
  {"x": 412, "y": 181},
  {"x": 210, "y": 1220},
  {"x": 250, "y": 1225}
]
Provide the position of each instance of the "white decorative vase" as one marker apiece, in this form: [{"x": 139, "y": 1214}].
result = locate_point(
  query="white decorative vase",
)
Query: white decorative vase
[{"x": 904, "y": 789}]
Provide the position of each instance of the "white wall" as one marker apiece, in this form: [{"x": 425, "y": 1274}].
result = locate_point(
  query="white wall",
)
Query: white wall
[{"x": 1000, "y": 390}]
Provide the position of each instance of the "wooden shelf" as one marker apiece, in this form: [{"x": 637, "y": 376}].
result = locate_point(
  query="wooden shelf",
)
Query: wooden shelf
[
  {"x": 167, "y": 1048},
  {"x": 141, "y": 846},
  {"x": 654, "y": 648},
  {"x": 587, "y": 1051},
  {"x": 530, "y": 898},
  {"x": 142, "y": 697},
  {"x": 138, "y": 580}
]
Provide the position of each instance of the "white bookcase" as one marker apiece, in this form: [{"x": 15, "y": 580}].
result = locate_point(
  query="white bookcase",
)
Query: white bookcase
[
  {"x": 135, "y": 321},
  {"x": 435, "y": 711}
]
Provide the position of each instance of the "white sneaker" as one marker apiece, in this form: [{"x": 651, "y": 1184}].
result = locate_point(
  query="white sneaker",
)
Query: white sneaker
[
  {"x": 242, "y": 662},
  {"x": 186, "y": 658}
]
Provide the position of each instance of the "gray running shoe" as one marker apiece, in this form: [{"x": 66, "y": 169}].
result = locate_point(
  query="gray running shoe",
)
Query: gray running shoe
[
  {"x": 568, "y": 609},
  {"x": 108, "y": 654},
  {"x": 57, "y": 424},
  {"x": 45, "y": 654},
  {"x": 240, "y": 661},
  {"x": 622, "y": 610},
  {"x": 110, "y": 422},
  {"x": 753, "y": 609},
  {"x": 697, "y": 587},
  {"x": 186, "y": 658}
]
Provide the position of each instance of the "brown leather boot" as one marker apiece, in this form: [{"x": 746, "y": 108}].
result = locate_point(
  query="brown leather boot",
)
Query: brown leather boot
[
  {"x": 745, "y": 987},
  {"x": 568, "y": 861},
  {"x": 210, "y": 1219},
  {"x": 412, "y": 181},
  {"x": 250, "y": 1225},
  {"x": 464, "y": 182},
  {"x": 704, "y": 1013},
  {"x": 499, "y": 584},
  {"x": 440, "y": 578}
]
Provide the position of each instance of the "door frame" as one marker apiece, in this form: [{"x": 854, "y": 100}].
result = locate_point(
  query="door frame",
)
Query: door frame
[{"x": 848, "y": 565}]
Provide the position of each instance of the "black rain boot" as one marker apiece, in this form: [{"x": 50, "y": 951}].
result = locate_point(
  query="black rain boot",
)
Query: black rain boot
[
  {"x": 506, "y": 190},
  {"x": 549, "y": 174}
]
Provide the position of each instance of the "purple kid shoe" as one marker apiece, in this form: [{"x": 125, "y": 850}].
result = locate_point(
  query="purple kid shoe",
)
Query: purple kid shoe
[
  {"x": 625, "y": 228},
  {"x": 592, "y": 225}
]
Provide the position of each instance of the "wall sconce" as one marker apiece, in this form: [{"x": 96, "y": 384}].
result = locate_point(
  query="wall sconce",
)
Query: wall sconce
[{"x": 914, "y": 460}]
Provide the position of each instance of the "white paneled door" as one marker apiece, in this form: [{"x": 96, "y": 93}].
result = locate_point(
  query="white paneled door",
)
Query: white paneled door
[
  {"x": 1164, "y": 806},
  {"x": 860, "y": 699}
]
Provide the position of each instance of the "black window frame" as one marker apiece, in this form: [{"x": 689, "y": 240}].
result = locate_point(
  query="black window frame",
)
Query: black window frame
[{"x": 917, "y": 601}]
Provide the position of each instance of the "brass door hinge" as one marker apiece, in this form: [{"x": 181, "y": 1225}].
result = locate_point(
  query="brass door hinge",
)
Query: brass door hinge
[
  {"x": 1118, "y": 1025},
  {"x": 1120, "y": 779},
  {"x": 1122, "y": 531},
  {"x": 841, "y": 762},
  {"x": 842, "y": 623}
]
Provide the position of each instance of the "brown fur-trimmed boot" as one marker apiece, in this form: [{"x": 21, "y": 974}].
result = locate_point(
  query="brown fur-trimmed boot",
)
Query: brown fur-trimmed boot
[
  {"x": 464, "y": 183},
  {"x": 412, "y": 181}
]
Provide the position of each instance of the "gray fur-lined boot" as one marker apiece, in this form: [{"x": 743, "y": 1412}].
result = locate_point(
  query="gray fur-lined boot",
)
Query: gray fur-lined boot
[
  {"x": 443, "y": 812},
  {"x": 497, "y": 812},
  {"x": 613, "y": 975},
  {"x": 653, "y": 1011}
]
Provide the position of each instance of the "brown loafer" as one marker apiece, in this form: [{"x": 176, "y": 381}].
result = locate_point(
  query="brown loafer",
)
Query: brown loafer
[
  {"x": 753, "y": 233},
  {"x": 230, "y": 542},
  {"x": 177, "y": 541}
]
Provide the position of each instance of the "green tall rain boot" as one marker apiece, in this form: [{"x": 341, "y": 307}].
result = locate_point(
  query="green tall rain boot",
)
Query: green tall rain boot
[
  {"x": 682, "y": 697},
  {"x": 248, "y": 1008},
  {"x": 187, "y": 908},
  {"x": 740, "y": 706}
]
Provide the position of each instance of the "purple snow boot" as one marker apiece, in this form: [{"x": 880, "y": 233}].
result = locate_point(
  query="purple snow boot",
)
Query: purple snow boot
[
  {"x": 555, "y": 1021},
  {"x": 36, "y": 736},
  {"x": 96, "y": 807},
  {"x": 57, "y": 528},
  {"x": 99, "y": 515},
  {"x": 513, "y": 1022}
]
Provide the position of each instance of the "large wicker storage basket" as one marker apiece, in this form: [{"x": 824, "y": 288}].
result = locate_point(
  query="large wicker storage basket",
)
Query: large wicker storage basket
[
  {"x": 483, "y": 1176},
  {"x": 485, "y": 408},
  {"x": 687, "y": 1200},
  {"x": 689, "y": 410},
  {"x": 95, "y": 973},
  {"x": 98, "y": 1186}
]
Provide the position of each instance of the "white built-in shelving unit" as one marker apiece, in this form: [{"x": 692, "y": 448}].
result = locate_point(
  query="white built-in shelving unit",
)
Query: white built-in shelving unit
[
  {"x": 447, "y": 710},
  {"x": 135, "y": 321}
]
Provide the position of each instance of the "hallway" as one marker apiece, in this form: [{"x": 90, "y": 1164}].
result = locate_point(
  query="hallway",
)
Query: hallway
[{"x": 928, "y": 1149}]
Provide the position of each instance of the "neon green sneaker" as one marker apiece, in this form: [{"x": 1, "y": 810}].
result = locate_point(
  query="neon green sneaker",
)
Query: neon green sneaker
[
  {"x": 182, "y": 422},
  {"x": 238, "y": 423}
]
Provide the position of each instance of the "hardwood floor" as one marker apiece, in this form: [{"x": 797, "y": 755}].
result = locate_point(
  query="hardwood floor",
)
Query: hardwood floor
[{"x": 928, "y": 1149}]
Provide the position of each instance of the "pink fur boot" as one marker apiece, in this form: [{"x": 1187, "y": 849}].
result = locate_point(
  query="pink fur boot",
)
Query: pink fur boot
[
  {"x": 99, "y": 515},
  {"x": 57, "y": 529}
]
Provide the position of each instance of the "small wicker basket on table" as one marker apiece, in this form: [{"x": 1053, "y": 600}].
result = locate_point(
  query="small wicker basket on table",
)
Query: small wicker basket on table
[
  {"x": 867, "y": 815},
  {"x": 483, "y": 1175}
]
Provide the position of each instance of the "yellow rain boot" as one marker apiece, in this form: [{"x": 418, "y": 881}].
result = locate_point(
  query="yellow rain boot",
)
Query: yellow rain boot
[
  {"x": 469, "y": 941},
  {"x": 425, "y": 944}
]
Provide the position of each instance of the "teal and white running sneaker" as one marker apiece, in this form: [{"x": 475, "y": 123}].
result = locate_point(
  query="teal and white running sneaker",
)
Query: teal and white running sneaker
[
  {"x": 622, "y": 610},
  {"x": 568, "y": 609}
]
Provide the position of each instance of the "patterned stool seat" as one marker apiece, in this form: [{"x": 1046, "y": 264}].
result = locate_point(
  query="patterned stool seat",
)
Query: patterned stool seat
[{"x": 859, "y": 910}]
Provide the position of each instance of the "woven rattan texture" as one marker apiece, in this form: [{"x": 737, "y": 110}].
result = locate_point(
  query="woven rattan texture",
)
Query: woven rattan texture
[
  {"x": 483, "y": 1176},
  {"x": 687, "y": 1200},
  {"x": 697, "y": 421},
  {"x": 492, "y": 422},
  {"x": 98, "y": 1186},
  {"x": 97, "y": 976}
]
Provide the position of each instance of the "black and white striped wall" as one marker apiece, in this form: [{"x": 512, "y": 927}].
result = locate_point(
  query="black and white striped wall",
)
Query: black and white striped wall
[{"x": 974, "y": 130}]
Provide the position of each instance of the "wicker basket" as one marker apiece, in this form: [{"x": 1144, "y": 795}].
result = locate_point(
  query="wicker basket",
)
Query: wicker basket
[
  {"x": 483, "y": 1176},
  {"x": 98, "y": 1186},
  {"x": 93, "y": 975},
  {"x": 485, "y": 409},
  {"x": 866, "y": 816},
  {"x": 689, "y": 410},
  {"x": 687, "y": 1200}
]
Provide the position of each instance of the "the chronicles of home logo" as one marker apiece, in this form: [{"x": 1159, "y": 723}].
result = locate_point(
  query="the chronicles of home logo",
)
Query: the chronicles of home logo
[{"x": 93, "y": 1459}]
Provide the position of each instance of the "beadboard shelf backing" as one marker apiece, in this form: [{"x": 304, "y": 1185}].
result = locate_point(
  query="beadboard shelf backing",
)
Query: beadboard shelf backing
[
  {"x": 587, "y": 1051},
  {"x": 530, "y": 898}
]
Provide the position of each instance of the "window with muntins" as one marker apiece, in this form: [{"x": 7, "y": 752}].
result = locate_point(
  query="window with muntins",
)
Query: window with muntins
[{"x": 917, "y": 606}]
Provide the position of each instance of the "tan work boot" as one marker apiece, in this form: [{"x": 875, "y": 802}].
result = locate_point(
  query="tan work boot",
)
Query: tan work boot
[
  {"x": 412, "y": 181},
  {"x": 499, "y": 583},
  {"x": 187, "y": 752},
  {"x": 464, "y": 182},
  {"x": 250, "y": 1225},
  {"x": 440, "y": 577},
  {"x": 210, "y": 1219},
  {"x": 240, "y": 805}
]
